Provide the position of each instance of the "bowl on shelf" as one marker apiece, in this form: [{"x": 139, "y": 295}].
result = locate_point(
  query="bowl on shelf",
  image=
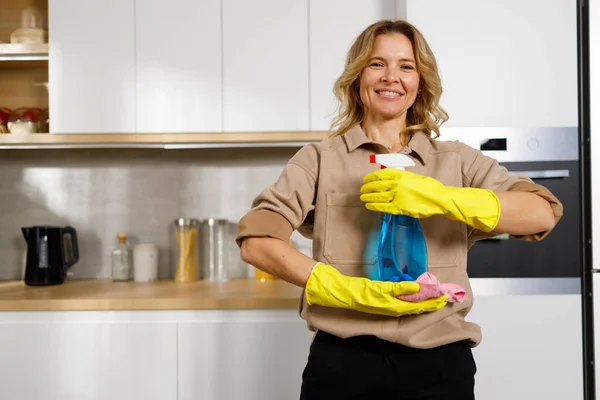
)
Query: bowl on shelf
[{"x": 24, "y": 120}]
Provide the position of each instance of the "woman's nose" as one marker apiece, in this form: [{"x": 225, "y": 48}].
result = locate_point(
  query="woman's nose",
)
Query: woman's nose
[{"x": 390, "y": 76}]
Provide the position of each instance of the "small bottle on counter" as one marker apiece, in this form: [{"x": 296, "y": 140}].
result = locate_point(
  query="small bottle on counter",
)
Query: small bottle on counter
[{"x": 122, "y": 260}]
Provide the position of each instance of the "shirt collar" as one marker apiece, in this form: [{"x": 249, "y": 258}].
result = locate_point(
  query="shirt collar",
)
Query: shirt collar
[{"x": 419, "y": 143}]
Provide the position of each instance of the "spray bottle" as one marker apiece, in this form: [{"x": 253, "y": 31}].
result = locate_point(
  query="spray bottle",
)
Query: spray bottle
[{"x": 401, "y": 252}]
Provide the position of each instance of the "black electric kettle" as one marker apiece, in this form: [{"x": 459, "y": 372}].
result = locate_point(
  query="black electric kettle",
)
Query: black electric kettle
[{"x": 46, "y": 263}]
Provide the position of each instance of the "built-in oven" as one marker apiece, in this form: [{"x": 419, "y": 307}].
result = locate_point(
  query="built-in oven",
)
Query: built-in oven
[{"x": 504, "y": 265}]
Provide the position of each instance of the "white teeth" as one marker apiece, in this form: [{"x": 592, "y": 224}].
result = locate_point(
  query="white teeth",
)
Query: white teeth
[{"x": 386, "y": 93}]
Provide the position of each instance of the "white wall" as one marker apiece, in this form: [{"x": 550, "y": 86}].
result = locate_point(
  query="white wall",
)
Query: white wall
[{"x": 141, "y": 192}]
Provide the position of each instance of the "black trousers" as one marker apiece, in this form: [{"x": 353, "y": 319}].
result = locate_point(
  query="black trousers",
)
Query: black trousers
[{"x": 366, "y": 367}]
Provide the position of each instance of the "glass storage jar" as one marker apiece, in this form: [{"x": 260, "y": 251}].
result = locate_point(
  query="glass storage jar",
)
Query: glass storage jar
[{"x": 186, "y": 242}]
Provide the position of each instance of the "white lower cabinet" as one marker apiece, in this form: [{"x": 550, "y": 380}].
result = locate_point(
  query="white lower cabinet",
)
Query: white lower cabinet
[
  {"x": 86, "y": 360},
  {"x": 243, "y": 356},
  {"x": 161, "y": 355},
  {"x": 531, "y": 347}
]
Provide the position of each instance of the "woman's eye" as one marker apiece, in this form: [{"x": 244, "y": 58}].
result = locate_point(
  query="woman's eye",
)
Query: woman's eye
[
  {"x": 408, "y": 67},
  {"x": 376, "y": 64}
]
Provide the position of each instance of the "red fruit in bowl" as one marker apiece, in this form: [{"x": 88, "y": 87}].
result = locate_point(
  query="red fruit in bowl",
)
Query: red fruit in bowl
[
  {"x": 33, "y": 114},
  {"x": 4, "y": 113}
]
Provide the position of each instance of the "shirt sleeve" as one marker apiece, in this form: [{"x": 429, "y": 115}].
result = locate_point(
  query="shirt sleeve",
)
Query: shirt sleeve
[
  {"x": 287, "y": 204},
  {"x": 484, "y": 172}
]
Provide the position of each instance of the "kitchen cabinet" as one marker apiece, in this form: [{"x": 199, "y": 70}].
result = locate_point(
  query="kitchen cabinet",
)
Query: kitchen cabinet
[
  {"x": 334, "y": 24},
  {"x": 195, "y": 67},
  {"x": 92, "y": 66},
  {"x": 173, "y": 354},
  {"x": 531, "y": 347},
  {"x": 23, "y": 67},
  {"x": 265, "y": 65},
  {"x": 251, "y": 355},
  {"x": 178, "y": 66},
  {"x": 510, "y": 63},
  {"x": 74, "y": 356}
]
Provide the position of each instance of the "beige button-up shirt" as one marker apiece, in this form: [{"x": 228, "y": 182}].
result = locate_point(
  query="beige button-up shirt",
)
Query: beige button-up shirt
[{"x": 318, "y": 194}]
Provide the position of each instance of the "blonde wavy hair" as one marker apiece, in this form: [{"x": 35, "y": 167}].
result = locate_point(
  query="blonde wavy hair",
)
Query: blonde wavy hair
[{"x": 424, "y": 115}]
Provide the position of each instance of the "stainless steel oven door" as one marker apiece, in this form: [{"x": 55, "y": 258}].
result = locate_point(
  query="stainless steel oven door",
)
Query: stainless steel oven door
[
  {"x": 504, "y": 265},
  {"x": 555, "y": 256}
]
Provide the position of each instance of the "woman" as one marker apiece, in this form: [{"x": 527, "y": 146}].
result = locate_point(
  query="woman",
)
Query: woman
[{"x": 368, "y": 341}]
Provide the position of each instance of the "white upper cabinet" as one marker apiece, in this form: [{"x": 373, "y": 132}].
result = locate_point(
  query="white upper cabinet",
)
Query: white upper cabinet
[
  {"x": 92, "y": 66},
  {"x": 265, "y": 65},
  {"x": 178, "y": 66},
  {"x": 510, "y": 63},
  {"x": 334, "y": 24}
]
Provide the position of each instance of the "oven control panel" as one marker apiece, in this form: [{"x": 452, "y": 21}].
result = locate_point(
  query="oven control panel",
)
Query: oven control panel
[{"x": 519, "y": 144}]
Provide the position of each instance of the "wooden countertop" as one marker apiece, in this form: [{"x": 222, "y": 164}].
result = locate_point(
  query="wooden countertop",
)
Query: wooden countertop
[{"x": 162, "y": 295}]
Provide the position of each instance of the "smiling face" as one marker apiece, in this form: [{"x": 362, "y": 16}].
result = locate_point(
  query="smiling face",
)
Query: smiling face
[{"x": 390, "y": 81}]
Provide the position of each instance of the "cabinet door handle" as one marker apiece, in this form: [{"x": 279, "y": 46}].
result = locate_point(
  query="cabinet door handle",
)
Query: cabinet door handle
[{"x": 544, "y": 174}]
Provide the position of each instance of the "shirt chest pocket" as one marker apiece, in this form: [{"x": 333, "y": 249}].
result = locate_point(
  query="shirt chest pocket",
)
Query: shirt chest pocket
[
  {"x": 351, "y": 231},
  {"x": 446, "y": 241}
]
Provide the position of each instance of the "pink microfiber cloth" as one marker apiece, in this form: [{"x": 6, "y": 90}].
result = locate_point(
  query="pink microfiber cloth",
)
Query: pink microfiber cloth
[{"x": 431, "y": 287}]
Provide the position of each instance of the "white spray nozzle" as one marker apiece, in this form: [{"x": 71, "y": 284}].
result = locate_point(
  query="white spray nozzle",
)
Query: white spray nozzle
[{"x": 395, "y": 160}]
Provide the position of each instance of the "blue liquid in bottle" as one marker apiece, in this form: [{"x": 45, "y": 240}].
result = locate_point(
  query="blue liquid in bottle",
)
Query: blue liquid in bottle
[{"x": 402, "y": 252}]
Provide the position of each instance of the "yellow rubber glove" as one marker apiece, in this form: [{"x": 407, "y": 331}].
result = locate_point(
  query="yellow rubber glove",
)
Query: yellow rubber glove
[
  {"x": 327, "y": 287},
  {"x": 402, "y": 192}
]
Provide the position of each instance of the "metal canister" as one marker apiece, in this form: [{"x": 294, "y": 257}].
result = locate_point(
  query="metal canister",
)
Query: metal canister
[{"x": 214, "y": 249}]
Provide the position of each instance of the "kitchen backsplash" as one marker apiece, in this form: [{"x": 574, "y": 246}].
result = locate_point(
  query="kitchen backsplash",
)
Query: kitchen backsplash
[{"x": 105, "y": 191}]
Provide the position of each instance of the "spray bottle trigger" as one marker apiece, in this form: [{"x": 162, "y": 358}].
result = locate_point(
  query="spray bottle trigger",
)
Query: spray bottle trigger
[{"x": 393, "y": 160}]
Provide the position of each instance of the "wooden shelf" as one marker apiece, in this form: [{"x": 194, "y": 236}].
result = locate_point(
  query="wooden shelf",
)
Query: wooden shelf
[
  {"x": 23, "y": 64},
  {"x": 165, "y": 141},
  {"x": 20, "y": 54}
]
